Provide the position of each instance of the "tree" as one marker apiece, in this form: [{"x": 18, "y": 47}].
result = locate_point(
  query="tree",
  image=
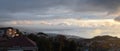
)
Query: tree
[
  {"x": 44, "y": 44},
  {"x": 72, "y": 46}
]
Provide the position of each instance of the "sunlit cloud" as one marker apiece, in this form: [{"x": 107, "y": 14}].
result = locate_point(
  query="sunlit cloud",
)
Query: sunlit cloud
[
  {"x": 79, "y": 27},
  {"x": 96, "y": 32},
  {"x": 69, "y": 22}
]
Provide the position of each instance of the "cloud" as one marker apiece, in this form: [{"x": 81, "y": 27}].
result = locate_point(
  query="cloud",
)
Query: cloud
[
  {"x": 68, "y": 22},
  {"x": 55, "y": 9},
  {"x": 25, "y": 5},
  {"x": 71, "y": 16},
  {"x": 112, "y": 6},
  {"x": 104, "y": 31},
  {"x": 96, "y": 32},
  {"x": 117, "y": 19},
  {"x": 29, "y": 7}
]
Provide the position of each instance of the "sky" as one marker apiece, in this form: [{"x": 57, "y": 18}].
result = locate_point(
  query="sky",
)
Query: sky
[{"x": 84, "y": 18}]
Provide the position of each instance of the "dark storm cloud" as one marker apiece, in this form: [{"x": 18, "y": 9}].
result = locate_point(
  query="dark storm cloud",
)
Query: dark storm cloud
[
  {"x": 110, "y": 5},
  {"x": 8, "y": 8},
  {"x": 27, "y": 5},
  {"x": 12, "y": 9},
  {"x": 29, "y": 9}
]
